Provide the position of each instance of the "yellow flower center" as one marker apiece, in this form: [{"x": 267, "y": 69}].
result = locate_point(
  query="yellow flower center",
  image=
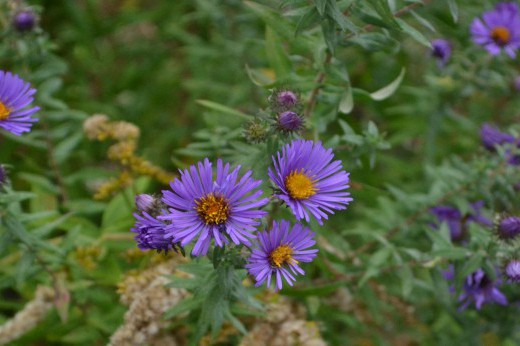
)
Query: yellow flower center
[
  {"x": 4, "y": 111},
  {"x": 501, "y": 35},
  {"x": 213, "y": 209},
  {"x": 300, "y": 185},
  {"x": 282, "y": 255}
]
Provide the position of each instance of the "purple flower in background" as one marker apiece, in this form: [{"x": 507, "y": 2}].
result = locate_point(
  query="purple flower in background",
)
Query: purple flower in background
[
  {"x": 479, "y": 289},
  {"x": 151, "y": 233},
  {"x": 24, "y": 20},
  {"x": 498, "y": 29},
  {"x": 279, "y": 250},
  {"x": 512, "y": 270},
  {"x": 307, "y": 180},
  {"x": 508, "y": 228},
  {"x": 289, "y": 122},
  {"x": 207, "y": 208},
  {"x": 441, "y": 50},
  {"x": 15, "y": 96},
  {"x": 458, "y": 223},
  {"x": 491, "y": 137}
]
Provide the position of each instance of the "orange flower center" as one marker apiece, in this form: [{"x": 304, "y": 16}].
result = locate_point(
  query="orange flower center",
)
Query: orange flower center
[
  {"x": 300, "y": 185},
  {"x": 501, "y": 35},
  {"x": 282, "y": 255},
  {"x": 4, "y": 111},
  {"x": 213, "y": 209}
]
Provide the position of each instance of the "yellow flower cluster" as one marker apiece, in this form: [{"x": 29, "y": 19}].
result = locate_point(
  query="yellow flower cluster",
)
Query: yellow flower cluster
[
  {"x": 98, "y": 127},
  {"x": 88, "y": 256}
]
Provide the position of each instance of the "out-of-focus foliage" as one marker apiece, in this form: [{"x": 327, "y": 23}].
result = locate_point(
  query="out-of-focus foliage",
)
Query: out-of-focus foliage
[{"x": 191, "y": 74}]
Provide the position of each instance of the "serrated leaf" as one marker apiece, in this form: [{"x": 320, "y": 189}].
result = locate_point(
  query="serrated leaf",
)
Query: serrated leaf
[{"x": 388, "y": 90}]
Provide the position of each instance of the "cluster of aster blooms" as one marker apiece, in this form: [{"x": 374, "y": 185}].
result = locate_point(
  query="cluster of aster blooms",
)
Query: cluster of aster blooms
[
  {"x": 497, "y": 31},
  {"x": 479, "y": 288},
  {"x": 283, "y": 116},
  {"x": 223, "y": 207}
]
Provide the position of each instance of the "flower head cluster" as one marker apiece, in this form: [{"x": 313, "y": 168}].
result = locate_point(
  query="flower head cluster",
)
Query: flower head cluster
[
  {"x": 498, "y": 30},
  {"x": 457, "y": 222},
  {"x": 285, "y": 105},
  {"x": 15, "y": 97},
  {"x": 203, "y": 207},
  {"x": 278, "y": 253},
  {"x": 441, "y": 50},
  {"x": 308, "y": 181}
]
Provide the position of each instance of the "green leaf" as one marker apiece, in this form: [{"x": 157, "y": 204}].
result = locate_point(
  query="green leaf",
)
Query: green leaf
[
  {"x": 186, "y": 305},
  {"x": 414, "y": 33},
  {"x": 388, "y": 90},
  {"x": 278, "y": 60},
  {"x": 346, "y": 104},
  {"x": 222, "y": 109},
  {"x": 454, "y": 10},
  {"x": 320, "y": 6},
  {"x": 259, "y": 78}
]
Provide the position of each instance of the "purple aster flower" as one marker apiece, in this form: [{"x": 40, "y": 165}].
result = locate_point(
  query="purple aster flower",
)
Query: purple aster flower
[
  {"x": 458, "y": 223},
  {"x": 151, "y": 233},
  {"x": 307, "y": 180},
  {"x": 491, "y": 137},
  {"x": 207, "y": 208},
  {"x": 278, "y": 250},
  {"x": 15, "y": 96},
  {"x": 508, "y": 228},
  {"x": 512, "y": 270},
  {"x": 24, "y": 20},
  {"x": 498, "y": 29},
  {"x": 144, "y": 202},
  {"x": 441, "y": 50},
  {"x": 289, "y": 121},
  {"x": 478, "y": 288}
]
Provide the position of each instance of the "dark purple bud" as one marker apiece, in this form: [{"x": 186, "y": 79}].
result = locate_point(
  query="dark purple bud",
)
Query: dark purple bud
[
  {"x": 289, "y": 122},
  {"x": 441, "y": 50},
  {"x": 144, "y": 202},
  {"x": 24, "y": 21},
  {"x": 508, "y": 227},
  {"x": 512, "y": 270}
]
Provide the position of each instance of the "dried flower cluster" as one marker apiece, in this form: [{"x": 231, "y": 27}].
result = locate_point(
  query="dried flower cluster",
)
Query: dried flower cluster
[
  {"x": 148, "y": 298},
  {"x": 99, "y": 127},
  {"x": 25, "y": 320}
]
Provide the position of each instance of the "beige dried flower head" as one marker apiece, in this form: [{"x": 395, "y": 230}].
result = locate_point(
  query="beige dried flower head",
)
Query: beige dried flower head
[{"x": 97, "y": 127}]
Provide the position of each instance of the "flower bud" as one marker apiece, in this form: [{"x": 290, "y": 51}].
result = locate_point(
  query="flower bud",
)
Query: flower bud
[
  {"x": 512, "y": 270},
  {"x": 144, "y": 202},
  {"x": 289, "y": 122},
  {"x": 441, "y": 50},
  {"x": 508, "y": 228},
  {"x": 256, "y": 132},
  {"x": 24, "y": 21}
]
